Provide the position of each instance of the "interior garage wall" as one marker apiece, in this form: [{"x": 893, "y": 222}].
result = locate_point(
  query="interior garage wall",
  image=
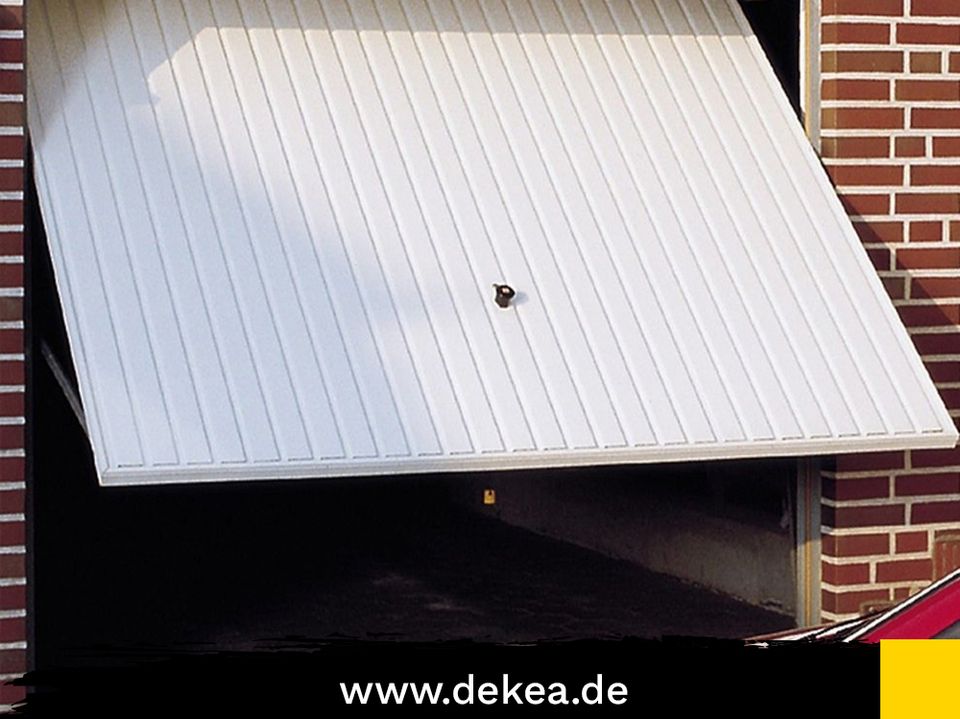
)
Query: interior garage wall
[
  {"x": 726, "y": 526},
  {"x": 890, "y": 97}
]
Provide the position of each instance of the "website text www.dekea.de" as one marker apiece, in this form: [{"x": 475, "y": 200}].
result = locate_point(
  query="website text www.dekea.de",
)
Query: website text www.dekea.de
[{"x": 471, "y": 692}]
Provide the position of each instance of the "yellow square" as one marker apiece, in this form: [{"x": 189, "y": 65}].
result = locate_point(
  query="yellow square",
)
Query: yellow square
[{"x": 919, "y": 678}]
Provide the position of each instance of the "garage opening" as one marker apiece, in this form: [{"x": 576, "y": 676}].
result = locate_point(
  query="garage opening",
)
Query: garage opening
[{"x": 563, "y": 548}]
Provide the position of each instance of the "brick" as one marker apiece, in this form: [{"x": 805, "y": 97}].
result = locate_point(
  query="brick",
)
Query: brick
[
  {"x": 870, "y": 461},
  {"x": 12, "y": 469},
  {"x": 11, "y": 437},
  {"x": 937, "y": 344},
  {"x": 951, "y": 398},
  {"x": 855, "y": 90},
  {"x": 926, "y": 90},
  {"x": 911, "y": 542},
  {"x": 881, "y": 259},
  {"x": 11, "y": 309},
  {"x": 923, "y": 458},
  {"x": 851, "y": 602},
  {"x": 855, "y": 147},
  {"x": 11, "y": 341},
  {"x": 12, "y": 372},
  {"x": 875, "y": 516},
  {"x": 11, "y": 243},
  {"x": 11, "y": 81},
  {"x": 954, "y": 62},
  {"x": 955, "y": 231},
  {"x": 896, "y": 287},
  {"x": 944, "y": 371},
  {"x": 922, "y": 484},
  {"x": 935, "y": 288},
  {"x": 11, "y": 147},
  {"x": 861, "y": 33},
  {"x": 929, "y": 34},
  {"x": 935, "y": 175},
  {"x": 11, "y": 17},
  {"x": 910, "y": 147},
  {"x": 871, "y": 118},
  {"x": 13, "y": 566},
  {"x": 856, "y": 488},
  {"x": 11, "y": 113},
  {"x": 862, "y": 61},
  {"x": 12, "y": 534},
  {"x": 927, "y": 258},
  {"x": 905, "y": 570},
  {"x": 926, "y": 231},
  {"x": 850, "y": 175},
  {"x": 865, "y": 204},
  {"x": 11, "y": 49},
  {"x": 11, "y": 212},
  {"x": 929, "y": 315},
  {"x": 928, "y": 203},
  {"x": 934, "y": 117},
  {"x": 14, "y": 597},
  {"x": 11, "y": 275},
  {"x": 940, "y": 8},
  {"x": 11, "y": 502},
  {"x": 855, "y": 545},
  {"x": 935, "y": 512},
  {"x": 900, "y": 593},
  {"x": 926, "y": 61},
  {"x": 11, "y": 404},
  {"x": 946, "y": 553},
  {"x": 13, "y": 661},
  {"x": 863, "y": 7},
  {"x": 879, "y": 231},
  {"x": 11, "y": 179},
  {"x": 13, "y": 630},
  {"x": 846, "y": 573}
]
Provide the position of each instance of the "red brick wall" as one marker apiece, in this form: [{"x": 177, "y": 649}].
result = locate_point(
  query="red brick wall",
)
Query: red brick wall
[
  {"x": 890, "y": 113},
  {"x": 12, "y": 525}
]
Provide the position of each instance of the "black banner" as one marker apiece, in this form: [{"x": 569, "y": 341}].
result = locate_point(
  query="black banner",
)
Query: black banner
[{"x": 671, "y": 677}]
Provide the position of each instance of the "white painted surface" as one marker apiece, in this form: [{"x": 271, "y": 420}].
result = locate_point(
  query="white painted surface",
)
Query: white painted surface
[{"x": 276, "y": 227}]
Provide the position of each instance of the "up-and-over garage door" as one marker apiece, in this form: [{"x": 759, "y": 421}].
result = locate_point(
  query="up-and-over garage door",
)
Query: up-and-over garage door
[{"x": 277, "y": 227}]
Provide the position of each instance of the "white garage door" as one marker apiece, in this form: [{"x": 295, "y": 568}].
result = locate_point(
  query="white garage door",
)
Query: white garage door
[{"x": 277, "y": 227}]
